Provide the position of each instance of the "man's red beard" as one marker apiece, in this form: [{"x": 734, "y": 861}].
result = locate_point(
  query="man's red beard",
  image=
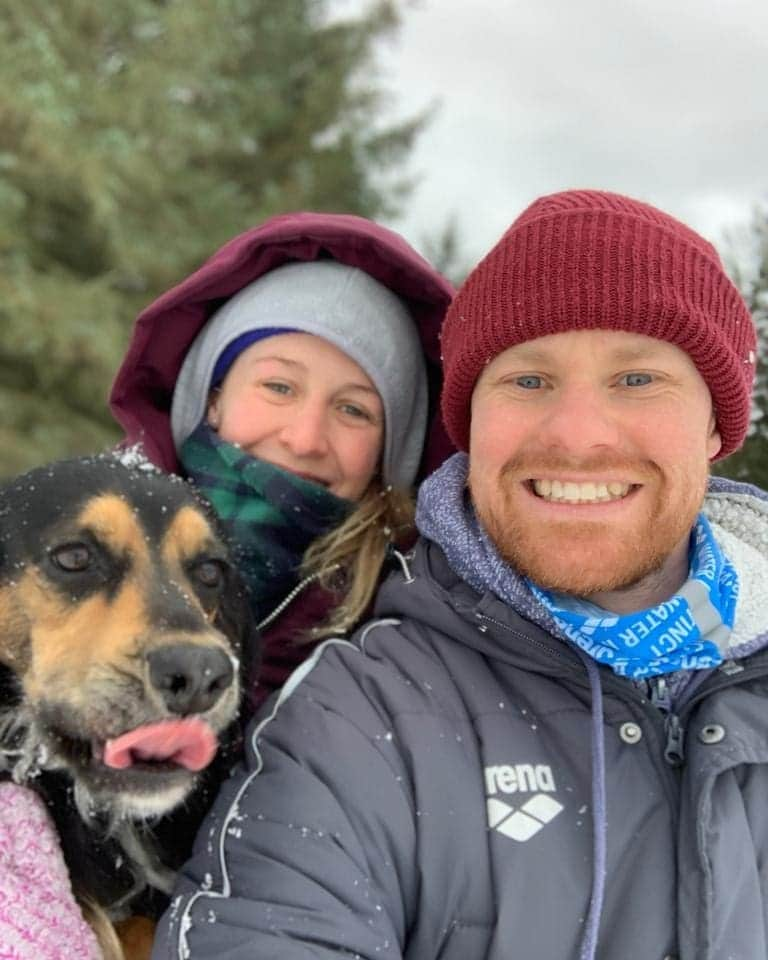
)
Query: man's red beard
[{"x": 584, "y": 557}]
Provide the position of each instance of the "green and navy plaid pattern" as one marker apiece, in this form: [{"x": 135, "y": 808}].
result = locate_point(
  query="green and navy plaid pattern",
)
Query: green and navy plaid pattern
[{"x": 270, "y": 515}]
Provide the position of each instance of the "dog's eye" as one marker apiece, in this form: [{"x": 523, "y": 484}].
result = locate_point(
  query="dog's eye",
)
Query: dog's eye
[
  {"x": 72, "y": 557},
  {"x": 210, "y": 573}
]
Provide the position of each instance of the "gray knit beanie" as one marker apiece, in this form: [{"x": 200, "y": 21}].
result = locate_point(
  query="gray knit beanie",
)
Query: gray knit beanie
[{"x": 351, "y": 310}]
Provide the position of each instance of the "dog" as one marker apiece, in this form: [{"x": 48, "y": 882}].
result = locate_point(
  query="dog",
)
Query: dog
[{"x": 125, "y": 640}]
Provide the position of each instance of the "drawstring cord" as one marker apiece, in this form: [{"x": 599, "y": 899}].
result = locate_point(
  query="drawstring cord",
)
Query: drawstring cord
[
  {"x": 592, "y": 927},
  {"x": 403, "y": 561}
]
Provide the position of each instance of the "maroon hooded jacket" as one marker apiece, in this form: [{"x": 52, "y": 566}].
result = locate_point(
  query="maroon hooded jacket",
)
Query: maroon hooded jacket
[{"x": 143, "y": 389}]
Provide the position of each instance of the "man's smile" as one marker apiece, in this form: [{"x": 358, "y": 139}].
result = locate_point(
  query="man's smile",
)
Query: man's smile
[{"x": 569, "y": 491}]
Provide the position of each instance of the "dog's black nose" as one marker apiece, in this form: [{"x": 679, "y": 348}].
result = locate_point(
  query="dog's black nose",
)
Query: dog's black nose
[{"x": 190, "y": 678}]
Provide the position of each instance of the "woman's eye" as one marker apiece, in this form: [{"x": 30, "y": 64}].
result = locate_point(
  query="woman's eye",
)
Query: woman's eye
[
  {"x": 636, "y": 379},
  {"x": 357, "y": 412},
  {"x": 529, "y": 381},
  {"x": 353, "y": 410},
  {"x": 275, "y": 386}
]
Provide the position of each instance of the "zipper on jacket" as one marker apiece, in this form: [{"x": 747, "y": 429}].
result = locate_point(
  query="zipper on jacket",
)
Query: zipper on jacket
[
  {"x": 674, "y": 751},
  {"x": 674, "y": 731},
  {"x": 568, "y": 657},
  {"x": 287, "y": 601},
  {"x": 729, "y": 675}
]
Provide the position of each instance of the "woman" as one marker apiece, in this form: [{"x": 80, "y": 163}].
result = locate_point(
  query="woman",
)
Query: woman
[{"x": 294, "y": 377}]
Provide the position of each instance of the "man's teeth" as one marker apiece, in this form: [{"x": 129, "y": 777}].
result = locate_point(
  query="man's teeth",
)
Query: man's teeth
[{"x": 589, "y": 492}]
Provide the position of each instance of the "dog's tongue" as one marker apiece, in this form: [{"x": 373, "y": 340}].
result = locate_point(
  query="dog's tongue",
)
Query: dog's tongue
[{"x": 189, "y": 743}]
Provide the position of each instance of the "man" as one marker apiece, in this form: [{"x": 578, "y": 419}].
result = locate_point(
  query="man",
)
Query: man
[{"x": 553, "y": 743}]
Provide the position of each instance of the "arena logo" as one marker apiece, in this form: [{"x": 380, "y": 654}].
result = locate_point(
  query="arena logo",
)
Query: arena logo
[{"x": 523, "y": 822}]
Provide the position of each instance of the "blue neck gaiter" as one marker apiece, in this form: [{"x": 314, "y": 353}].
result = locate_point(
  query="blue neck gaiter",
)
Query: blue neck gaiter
[{"x": 687, "y": 632}]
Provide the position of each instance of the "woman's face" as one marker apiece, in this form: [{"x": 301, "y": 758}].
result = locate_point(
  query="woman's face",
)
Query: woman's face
[{"x": 300, "y": 403}]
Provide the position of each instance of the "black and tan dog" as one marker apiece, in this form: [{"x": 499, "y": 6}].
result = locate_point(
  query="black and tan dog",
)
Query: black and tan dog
[{"x": 123, "y": 638}]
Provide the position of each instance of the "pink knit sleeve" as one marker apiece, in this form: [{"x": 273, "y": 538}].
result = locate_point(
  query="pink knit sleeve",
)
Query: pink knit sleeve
[{"x": 39, "y": 918}]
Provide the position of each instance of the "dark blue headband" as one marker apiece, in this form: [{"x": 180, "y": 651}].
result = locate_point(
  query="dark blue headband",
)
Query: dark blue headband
[{"x": 232, "y": 351}]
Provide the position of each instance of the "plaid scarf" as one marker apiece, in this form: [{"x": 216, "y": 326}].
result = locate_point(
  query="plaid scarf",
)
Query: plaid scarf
[{"x": 270, "y": 515}]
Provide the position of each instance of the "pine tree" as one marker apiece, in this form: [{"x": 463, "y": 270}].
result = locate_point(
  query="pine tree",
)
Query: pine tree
[
  {"x": 135, "y": 138},
  {"x": 751, "y": 462}
]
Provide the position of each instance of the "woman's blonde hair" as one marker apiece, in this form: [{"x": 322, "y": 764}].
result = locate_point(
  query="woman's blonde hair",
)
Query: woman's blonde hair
[
  {"x": 106, "y": 935},
  {"x": 348, "y": 560}
]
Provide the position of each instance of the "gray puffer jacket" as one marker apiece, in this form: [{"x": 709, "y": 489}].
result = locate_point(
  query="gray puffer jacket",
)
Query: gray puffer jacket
[{"x": 459, "y": 784}]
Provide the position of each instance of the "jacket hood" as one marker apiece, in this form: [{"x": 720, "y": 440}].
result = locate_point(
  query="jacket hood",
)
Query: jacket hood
[{"x": 141, "y": 395}]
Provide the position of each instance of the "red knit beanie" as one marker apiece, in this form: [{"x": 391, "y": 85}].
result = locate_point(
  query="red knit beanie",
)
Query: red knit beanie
[{"x": 583, "y": 260}]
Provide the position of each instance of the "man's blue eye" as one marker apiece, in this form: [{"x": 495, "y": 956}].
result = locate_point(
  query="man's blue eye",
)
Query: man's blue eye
[
  {"x": 529, "y": 382},
  {"x": 637, "y": 379}
]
